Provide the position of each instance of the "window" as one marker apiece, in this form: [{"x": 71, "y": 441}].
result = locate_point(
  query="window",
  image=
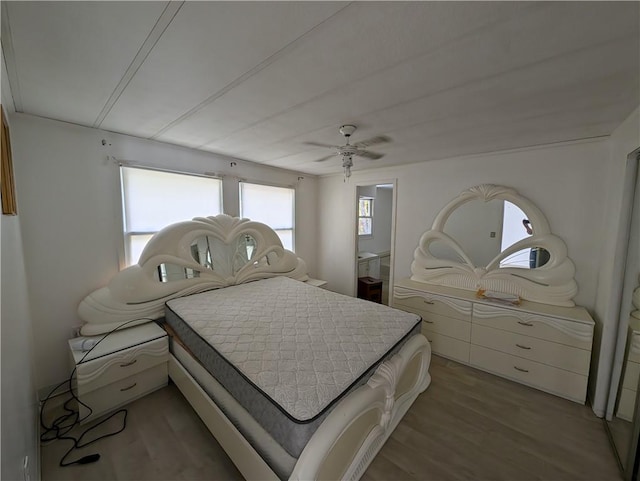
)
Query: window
[
  {"x": 365, "y": 216},
  {"x": 270, "y": 205},
  {"x": 153, "y": 199}
]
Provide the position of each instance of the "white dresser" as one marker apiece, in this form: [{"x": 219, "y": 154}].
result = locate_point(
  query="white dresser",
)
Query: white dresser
[
  {"x": 126, "y": 365},
  {"x": 543, "y": 346}
]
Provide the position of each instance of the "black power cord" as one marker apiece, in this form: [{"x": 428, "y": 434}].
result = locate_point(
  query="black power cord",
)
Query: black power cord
[{"x": 63, "y": 424}]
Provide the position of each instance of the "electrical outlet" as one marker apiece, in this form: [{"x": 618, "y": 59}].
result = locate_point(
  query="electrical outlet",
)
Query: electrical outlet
[{"x": 25, "y": 469}]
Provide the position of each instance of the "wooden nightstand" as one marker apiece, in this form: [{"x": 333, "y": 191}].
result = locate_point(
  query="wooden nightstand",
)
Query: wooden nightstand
[
  {"x": 126, "y": 365},
  {"x": 370, "y": 289}
]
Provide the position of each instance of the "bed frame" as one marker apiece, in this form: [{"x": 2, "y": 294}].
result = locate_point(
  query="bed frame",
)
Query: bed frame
[{"x": 220, "y": 251}]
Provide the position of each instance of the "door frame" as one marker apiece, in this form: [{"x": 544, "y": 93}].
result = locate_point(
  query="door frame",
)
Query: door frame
[{"x": 392, "y": 248}]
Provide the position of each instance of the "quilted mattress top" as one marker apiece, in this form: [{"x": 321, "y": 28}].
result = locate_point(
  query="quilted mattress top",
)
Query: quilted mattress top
[{"x": 300, "y": 345}]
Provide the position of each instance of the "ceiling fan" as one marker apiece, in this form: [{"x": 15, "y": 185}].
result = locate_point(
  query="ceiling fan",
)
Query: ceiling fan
[{"x": 348, "y": 150}]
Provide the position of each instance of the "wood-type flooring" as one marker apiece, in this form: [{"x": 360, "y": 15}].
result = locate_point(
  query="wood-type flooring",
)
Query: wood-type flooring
[{"x": 468, "y": 425}]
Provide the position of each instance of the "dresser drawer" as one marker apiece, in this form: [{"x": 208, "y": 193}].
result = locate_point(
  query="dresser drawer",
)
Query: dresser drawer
[
  {"x": 408, "y": 300},
  {"x": 123, "y": 391},
  {"x": 446, "y": 325},
  {"x": 545, "y": 352},
  {"x": 553, "y": 329},
  {"x": 105, "y": 370},
  {"x": 547, "y": 378},
  {"x": 447, "y": 346}
]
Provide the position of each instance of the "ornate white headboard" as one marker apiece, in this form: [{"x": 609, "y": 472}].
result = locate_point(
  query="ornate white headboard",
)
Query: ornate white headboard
[
  {"x": 549, "y": 282},
  {"x": 185, "y": 258}
]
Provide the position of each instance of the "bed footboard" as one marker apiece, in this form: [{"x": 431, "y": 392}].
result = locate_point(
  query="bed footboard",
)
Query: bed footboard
[{"x": 348, "y": 440}]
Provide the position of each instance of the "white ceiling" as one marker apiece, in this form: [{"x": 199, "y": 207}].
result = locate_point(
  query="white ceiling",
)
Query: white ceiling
[{"x": 255, "y": 80}]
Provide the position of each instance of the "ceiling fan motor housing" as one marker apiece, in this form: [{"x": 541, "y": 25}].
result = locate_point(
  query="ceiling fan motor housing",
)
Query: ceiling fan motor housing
[{"x": 347, "y": 130}]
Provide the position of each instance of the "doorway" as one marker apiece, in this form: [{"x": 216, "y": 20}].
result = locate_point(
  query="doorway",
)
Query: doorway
[{"x": 375, "y": 240}]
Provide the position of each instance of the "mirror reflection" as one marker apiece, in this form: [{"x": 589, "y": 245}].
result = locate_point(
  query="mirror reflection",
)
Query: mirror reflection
[
  {"x": 484, "y": 229},
  {"x": 621, "y": 424},
  {"x": 444, "y": 251},
  {"x": 212, "y": 253}
]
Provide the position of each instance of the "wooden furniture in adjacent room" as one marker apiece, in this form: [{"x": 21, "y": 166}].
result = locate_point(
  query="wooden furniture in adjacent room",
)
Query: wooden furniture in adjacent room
[
  {"x": 124, "y": 366},
  {"x": 370, "y": 289}
]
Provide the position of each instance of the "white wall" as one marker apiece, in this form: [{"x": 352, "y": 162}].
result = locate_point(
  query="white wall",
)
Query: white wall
[
  {"x": 19, "y": 397},
  {"x": 564, "y": 180},
  {"x": 19, "y": 408},
  {"x": 624, "y": 140},
  {"x": 68, "y": 194}
]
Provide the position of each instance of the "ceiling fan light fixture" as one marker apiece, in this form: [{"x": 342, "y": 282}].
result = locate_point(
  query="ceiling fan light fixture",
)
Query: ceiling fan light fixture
[{"x": 347, "y": 163}]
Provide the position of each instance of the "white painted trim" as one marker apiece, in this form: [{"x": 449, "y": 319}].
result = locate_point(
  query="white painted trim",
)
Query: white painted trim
[{"x": 170, "y": 11}]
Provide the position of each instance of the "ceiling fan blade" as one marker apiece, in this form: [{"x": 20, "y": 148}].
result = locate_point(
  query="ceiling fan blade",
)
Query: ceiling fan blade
[
  {"x": 318, "y": 144},
  {"x": 325, "y": 158},
  {"x": 369, "y": 155},
  {"x": 380, "y": 139}
]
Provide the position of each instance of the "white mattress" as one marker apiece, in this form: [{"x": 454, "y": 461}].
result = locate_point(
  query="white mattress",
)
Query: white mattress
[{"x": 300, "y": 345}]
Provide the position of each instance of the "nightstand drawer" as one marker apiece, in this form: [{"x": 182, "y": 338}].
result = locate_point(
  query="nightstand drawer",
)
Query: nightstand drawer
[
  {"x": 105, "y": 370},
  {"x": 116, "y": 394}
]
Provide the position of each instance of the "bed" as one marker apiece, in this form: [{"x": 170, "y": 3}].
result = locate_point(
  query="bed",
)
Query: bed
[{"x": 294, "y": 381}]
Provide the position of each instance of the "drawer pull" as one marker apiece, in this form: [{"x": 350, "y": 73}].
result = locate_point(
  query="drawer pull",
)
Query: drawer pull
[
  {"x": 428, "y": 322},
  {"x": 129, "y": 363},
  {"x": 522, "y": 347},
  {"x": 429, "y": 302},
  {"x": 130, "y": 387},
  {"x": 520, "y": 369},
  {"x": 528, "y": 324}
]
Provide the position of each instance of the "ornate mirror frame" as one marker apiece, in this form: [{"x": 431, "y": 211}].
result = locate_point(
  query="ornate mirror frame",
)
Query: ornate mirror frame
[
  {"x": 553, "y": 283},
  {"x": 136, "y": 295}
]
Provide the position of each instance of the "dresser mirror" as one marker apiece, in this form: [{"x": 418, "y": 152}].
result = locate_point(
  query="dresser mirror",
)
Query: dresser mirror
[
  {"x": 493, "y": 238},
  {"x": 485, "y": 229}
]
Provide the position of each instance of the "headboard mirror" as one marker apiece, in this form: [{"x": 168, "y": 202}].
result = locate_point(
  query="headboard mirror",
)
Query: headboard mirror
[
  {"x": 228, "y": 260},
  {"x": 491, "y": 237},
  {"x": 185, "y": 258}
]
